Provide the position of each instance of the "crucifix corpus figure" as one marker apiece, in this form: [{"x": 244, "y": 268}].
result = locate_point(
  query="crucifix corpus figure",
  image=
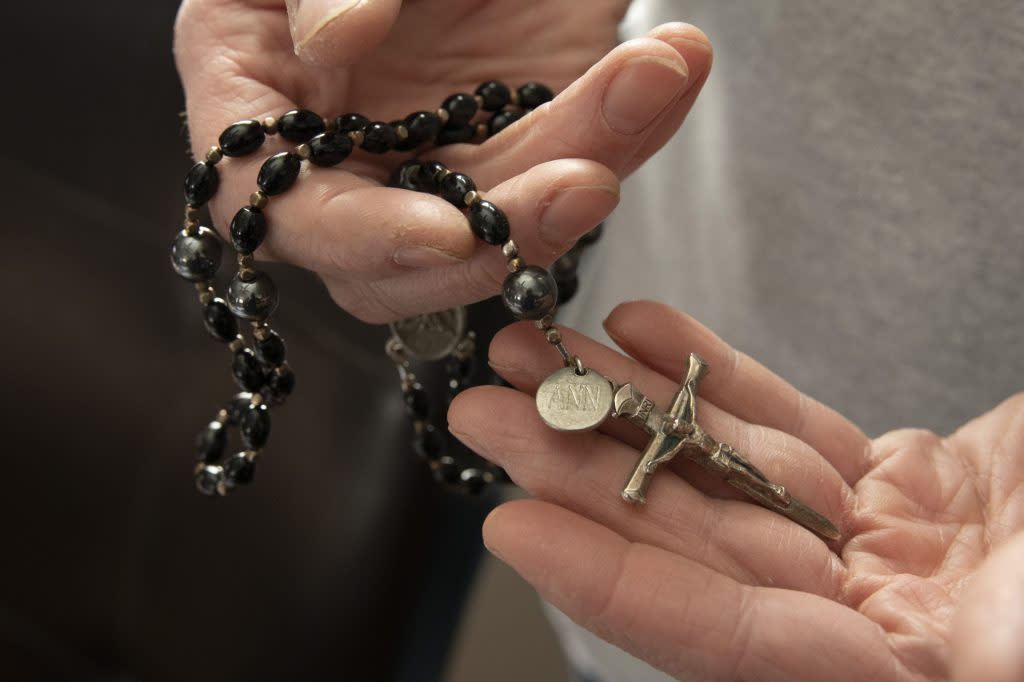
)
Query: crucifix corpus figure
[{"x": 677, "y": 431}]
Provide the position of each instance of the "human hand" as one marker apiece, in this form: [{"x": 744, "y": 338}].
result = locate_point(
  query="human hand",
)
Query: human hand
[
  {"x": 926, "y": 581},
  {"x": 386, "y": 253}
]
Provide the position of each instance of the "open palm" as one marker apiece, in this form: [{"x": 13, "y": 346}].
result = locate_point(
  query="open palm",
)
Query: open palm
[
  {"x": 925, "y": 582},
  {"x": 385, "y": 253}
]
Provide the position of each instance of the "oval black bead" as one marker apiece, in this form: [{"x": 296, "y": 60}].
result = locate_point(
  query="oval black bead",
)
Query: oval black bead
[
  {"x": 460, "y": 368},
  {"x": 282, "y": 384},
  {"x": 219, "y": 321},
  {"x": 406, "y": 176},
  {"x": 472, "y": 481},
  {"x": 237, "y": 407},
  {"x": 346, "y": 123},
  {"x": 242, "y": 138},
  {"x": 247, "y": 370},
  {"x": 461, "y": 108},
  {"x": 532, "y": 95},
  {"x": 423, "y": 126},
  {"x": 300, "y": 125},
  {"x": 196, "y": 257},
  {"x": 428, "y": 443},
  {"x": 211, "y": 441},
  {"x": 456, "y": 134},
  {"x": 378, "y": 138},
  {"x": 252, "y": 299},
  {"x": 278, "y": 173},
  {"x": 567, "y": 263},
  {"x": 495, "y": 95},
  {"x": 447, "y": 471},
  {"x": 330, "y": 148},
  {"x": 271, "y": 349},
  {"x": 209, "y": 478},
  {"x": 201, "y": 183},
  {"x": 567, "y": 287},
  {"x": 248, "y": 228},
  {"x": 417, "y": 403},
  {"x": 592, "y": 236},
  {"x": 454, "y": 188},
  {"x": 239, "y": 470},
  {"x": 488, "y": 222},
  {"x": 430, "y": 176},
  {"x": 502, "y": 120},
  {"x": 531, "y": 293},
  {"x": 255, "y": 426}
]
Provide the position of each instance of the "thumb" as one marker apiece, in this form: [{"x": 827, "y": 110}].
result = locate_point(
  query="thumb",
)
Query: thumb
[
  {"x": 336, "y": 32},
  {"x": 989, "y": 624}
]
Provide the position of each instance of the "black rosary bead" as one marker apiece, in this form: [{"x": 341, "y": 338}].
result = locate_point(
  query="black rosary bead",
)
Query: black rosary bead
[
  {"x": 428, "y": 443},
  {"x": 567, "y": 263},
  {"x": 530, "y": 293},
  {"x": 454, "y": 188},
  {"x": 330, "y": 148},
  {"x": 270, "y": 349},
  {"x": 248, "y": 228},
  {"x": 219, "y": 321},
  {"x": 456, "y": 134},
  {"x": 416, "y": 402},
  {"x": 379, "y": 138},
  {"x": 423, "y": 127},
  {"x": 502, "y": 120},
  {"x": 255, "y": 426},
  {"x": 461, "y": 108},
  {"x": 472, "y": 481},
  {"x": 254, "y": 298},
  {"x": 201, "y": 183},
  {"x": 196, "y": 257},
  {"x": 300, "y": 125},
  {"x": 460, "y": 368},
  {"x": 407, "y": 176},
  {"x": 209, "y": 478},
  {"x": 488, "y": 223},
  {"x": 532, "y": 95},
  {"x": 495, "y": 95},
  {"x": 567, "y": 287},
  {"x": 242, "y": 138},
  {"x": 237, "y": 407},
  {"x": 239, "y": 470},
  {"x": 282, "y": 384},
  {"x": 278, "y": 173},
  {"x": 430, "y": 176},
  {"x": 347, "y": 123},
  {"x": 211, "y": 441},
  {"x": 247, "y": 370},
  {"x": 446, "y": 471}
]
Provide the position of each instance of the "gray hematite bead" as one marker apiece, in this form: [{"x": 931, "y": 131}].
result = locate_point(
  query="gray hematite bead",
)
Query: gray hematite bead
[
  {"x": 531, "y": 293},
  {"x": 252, "y": 300},
  {"x": 196, "y": 257}
]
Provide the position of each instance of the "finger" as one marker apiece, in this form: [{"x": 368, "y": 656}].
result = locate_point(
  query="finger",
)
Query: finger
[
  {"x": 603, "y": 116},
  {"x": 583, "y": 472},
  {"x": 336, "y": 32},
  {"x": 737, "y": 383},
  {"x": 682, "y": 617},
  {"x": 521, "y": 355},
  {"x": 549, "y": 207}
]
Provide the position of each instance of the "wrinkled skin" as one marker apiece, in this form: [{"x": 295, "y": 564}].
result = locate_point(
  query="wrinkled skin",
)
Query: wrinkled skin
[
  {"x": 925, "y": 583},
  {"x": 555, "y": 174}
]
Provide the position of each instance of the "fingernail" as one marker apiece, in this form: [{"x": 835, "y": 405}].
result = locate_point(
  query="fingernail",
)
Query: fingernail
[
  {"x": 325, "y": 12},
  {"x": 641, "y": 90},
  {"x": 418, "y": 256},
  {"x": 571, "y": 210}
]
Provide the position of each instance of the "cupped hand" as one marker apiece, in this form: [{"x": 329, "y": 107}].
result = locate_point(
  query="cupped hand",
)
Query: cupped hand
[
  {"x": 926, "y": 581},
  {"x": 385, "y": 253}
]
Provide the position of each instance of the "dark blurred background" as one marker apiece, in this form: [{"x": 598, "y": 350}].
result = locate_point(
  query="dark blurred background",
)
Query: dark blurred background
[{"x": 343, "y": 561}]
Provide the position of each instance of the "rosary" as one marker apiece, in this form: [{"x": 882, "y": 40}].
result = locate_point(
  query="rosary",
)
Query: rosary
[{"x": 574, "y": 398}]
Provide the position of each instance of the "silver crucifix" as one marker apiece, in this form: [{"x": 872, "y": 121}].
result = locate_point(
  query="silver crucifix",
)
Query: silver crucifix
[{"x": 678, "y": 431}]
